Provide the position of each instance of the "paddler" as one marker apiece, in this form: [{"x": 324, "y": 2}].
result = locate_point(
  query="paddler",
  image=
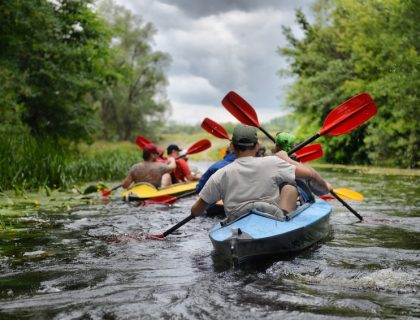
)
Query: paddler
[
  {"x": 151, "y": 170},
  {"x": 266, "y": 183},
  {"x": 182, "y": 172},
  {"x": 285, "y": 141},
  {"x": 228, "y": 158}
]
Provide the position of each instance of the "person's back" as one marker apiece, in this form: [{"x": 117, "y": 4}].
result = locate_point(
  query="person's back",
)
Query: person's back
[
  {"x": 248, "y": 180},
  {"x": 150, "y": 172},
  {"x": 227, "y": 159},
  {"x": 266, "y": 183}
]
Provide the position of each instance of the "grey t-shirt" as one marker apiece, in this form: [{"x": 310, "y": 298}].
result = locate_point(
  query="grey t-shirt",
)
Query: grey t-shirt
[{"x": 248, "y": 180}]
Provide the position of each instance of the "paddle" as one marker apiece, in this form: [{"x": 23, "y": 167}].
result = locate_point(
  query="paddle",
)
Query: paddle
[
  {"x": 165, "y": 199},
  {"x": 169, "y": 231},
  {"x": 243, "y": 111},
  {"x": 307, "y": 153},
  {"x": 346, "y": 194},
  {"x": 214, "y": 128},
  {"x": 108, "y": 192},
  {"x": 197, "y": 147},
  {"x": 346, "y": 117},
  {"x": 142, "y": 141}
]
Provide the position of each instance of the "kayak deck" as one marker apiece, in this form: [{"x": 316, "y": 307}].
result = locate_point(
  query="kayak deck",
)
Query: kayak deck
[
  {"x": 146, "y": 190},
  {"x": 258, "y": 233}
]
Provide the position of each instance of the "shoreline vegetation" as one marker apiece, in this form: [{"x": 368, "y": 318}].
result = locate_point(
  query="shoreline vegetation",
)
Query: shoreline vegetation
[{"x": 31, "y": 164}]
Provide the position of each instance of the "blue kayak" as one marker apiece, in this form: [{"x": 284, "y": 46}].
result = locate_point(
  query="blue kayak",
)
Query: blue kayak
[{"x": 257, "y": 233}]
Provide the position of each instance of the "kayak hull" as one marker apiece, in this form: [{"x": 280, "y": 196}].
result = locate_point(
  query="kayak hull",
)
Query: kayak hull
[
  {"x": 146, "y": 190},
  {"x": 259, "y": 234}
]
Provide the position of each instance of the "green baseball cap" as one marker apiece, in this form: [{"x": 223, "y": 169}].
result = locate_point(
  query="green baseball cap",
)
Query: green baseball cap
[
  {"x": 285, "y": 141},
  {"x": 245, "y": 136}
]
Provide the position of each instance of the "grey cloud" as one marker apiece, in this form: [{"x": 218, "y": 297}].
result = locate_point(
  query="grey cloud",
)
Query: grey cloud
[
  {"x": 200, "y": 8},
  {"x": 218, "y": 46}
]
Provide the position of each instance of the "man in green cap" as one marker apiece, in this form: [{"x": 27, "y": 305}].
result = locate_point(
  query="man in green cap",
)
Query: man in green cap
[
  {"x": 285, "y": 141},
  {"x": 254, "y": 182}
]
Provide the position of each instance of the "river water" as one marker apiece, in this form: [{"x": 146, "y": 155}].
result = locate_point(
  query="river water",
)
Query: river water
[{"x": 64, "y": 264}]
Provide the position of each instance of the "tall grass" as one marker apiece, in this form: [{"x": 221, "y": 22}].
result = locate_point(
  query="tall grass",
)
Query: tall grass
[{"x": 30, "y": 163}]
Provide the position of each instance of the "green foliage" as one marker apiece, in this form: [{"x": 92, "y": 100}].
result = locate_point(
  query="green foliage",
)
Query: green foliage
[
  {"x": 285, "y": 123},
  {"x": 360, "y": 46},
  {"x": 28, "y": 163},
  {"x": 53, "y": 56},
  {"x": 133, "y": 102}
]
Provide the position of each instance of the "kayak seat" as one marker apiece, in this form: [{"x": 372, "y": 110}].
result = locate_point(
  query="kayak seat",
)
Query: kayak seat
[{"x": 290, "y": 215}]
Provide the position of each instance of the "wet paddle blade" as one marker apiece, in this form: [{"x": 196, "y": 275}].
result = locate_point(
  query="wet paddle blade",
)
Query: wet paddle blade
[
  {"x": 106, "y": 192},
  {"x": 310, "y": 153},
  {"x": 327, "y": 197},
  {"x": 345, "y": 194},
  {"x": 214, "y": 128},
  {"x": 161, "y": 200},
  {"x": 348, "y": 194},
  {"x": 155, "y": 236},
  {"x": 349, "y": 115},
  {"x": 142, "y": 141},
  {"x": 240, "y": 109},
  {"x": 198, "y": 147}
]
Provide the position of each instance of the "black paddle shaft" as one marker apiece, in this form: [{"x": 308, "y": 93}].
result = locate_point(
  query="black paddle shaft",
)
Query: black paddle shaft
[
  {"x": 187, "y": 194},
  {"x": 267, "y": 134},
  {"x": 178, "y": 225},
  {"x": 304, "y": 143},
  {"x": 346, "y": 205}
]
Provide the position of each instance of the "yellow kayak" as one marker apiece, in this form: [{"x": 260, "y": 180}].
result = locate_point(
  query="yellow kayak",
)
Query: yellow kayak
[{"x": 146, "y": 190}]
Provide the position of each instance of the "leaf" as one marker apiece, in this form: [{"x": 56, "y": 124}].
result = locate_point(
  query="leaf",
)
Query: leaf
[
  {"x": 91, "y": 189},
  {"x": 48, "y": 191}
]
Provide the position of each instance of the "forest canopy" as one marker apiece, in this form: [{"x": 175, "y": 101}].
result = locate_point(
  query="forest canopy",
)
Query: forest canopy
[
  {"x": 359, "y": 46},
  {"x": 72, "y": 72}
]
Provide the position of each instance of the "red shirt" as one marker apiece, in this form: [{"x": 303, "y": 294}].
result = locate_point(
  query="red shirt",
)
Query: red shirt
[
  {"x": 162, "y": 160},
  {"x": 181, "y": 171}
]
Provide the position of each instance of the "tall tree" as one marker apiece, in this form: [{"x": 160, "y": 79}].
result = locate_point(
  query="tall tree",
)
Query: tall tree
[
  {"x": 135, "y": 100},
  {"x": 53, "y": 56},
  {"x": 357, "y": 46}
]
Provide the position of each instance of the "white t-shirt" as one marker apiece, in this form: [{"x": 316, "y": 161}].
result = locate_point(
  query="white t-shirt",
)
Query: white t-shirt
[{"x": 247, "y": 180}]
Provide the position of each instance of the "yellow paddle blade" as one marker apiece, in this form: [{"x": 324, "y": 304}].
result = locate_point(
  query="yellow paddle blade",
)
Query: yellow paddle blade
[
  {"x": 348, "y": 194},
  {"x": 223, "y": 152}
]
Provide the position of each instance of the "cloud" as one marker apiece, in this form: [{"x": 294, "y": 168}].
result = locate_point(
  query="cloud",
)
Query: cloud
[
  {"x": 218, "y": 46},
  {"x": 186, "y": 113}
]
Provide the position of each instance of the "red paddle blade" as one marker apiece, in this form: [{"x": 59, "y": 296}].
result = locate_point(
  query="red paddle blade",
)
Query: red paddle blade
[
  {"x": 199, "y": 146},
  {"x": 161, "y": 199},
  {"x": 106, "y": 192},
  {"x": 349, "y": 115},
  {"x": 214, "y": 128},
  {"x": 327, "y": 197},
  {"x": 240, "y": 109},
  {"x": 310, "y": 152},
  {"x": 154, "y": 236},
  {"x": 142, "y": 141}
]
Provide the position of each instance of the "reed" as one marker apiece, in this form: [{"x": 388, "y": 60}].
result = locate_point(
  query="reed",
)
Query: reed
[{"x": 29, "y": 163}]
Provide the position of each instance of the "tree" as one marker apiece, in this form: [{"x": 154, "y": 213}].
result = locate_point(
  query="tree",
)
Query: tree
[
  {"x": 134, "y": 102},
  {"x": 53, "y": 57},
  {"x": 356, "y": 46}
]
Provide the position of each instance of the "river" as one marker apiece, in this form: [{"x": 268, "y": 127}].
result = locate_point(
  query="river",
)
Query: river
[{"x": 63, "y": 264}]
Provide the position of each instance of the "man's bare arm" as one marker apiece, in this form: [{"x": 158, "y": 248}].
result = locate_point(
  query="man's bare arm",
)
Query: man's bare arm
[{"x": 199, "y": 207}]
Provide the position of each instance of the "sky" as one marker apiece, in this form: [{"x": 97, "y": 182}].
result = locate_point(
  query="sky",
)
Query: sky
[{"x": 217, "y": 46}]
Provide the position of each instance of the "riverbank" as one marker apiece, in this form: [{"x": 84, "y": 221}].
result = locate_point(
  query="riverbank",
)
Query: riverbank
[{"x": 31, "y": 164}]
